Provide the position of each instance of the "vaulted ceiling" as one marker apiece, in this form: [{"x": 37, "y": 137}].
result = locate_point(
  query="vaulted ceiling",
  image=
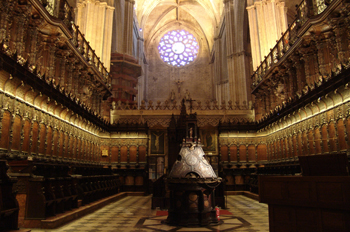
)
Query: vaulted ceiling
[{"x": 203, "y": 15}]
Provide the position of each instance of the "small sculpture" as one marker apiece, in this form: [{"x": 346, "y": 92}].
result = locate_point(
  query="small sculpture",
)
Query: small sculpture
[{"x": 172, "y": 95}]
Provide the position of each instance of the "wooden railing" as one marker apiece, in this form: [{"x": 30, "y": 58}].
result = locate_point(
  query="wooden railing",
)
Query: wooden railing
[
  {"x": 62, "y": 10},
  {"x": 87, "y": 52},
  {"x": 304, "y": 12}
]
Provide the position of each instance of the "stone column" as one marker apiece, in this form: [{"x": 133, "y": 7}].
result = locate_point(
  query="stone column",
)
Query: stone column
[
  {"x": 118, "y": 26},
  {"x": 254, "y": 36},
  {"x": 237, "y": 56},
  {"x": 95, "y": 21},
  {"x": 128, "y": 26},
  {"x": 267, "y": 22}
]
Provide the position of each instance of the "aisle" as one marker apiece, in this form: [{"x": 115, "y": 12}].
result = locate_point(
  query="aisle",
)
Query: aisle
[{"x": 134, "y": 214}]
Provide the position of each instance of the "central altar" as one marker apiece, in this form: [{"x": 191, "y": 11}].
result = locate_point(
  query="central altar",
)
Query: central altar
[{"x": 191, "y": 182}]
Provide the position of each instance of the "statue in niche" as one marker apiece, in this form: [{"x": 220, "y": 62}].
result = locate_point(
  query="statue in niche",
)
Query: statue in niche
[
  {"x": 187, "y": 95},
  {"x": 172, "y": 95}
]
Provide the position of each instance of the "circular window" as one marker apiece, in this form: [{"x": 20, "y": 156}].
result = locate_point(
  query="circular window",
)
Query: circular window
[{"x": 178, "y": 48}]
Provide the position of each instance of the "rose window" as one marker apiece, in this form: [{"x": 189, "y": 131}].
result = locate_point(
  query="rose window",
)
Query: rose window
[{"x": 178, "y": 48}]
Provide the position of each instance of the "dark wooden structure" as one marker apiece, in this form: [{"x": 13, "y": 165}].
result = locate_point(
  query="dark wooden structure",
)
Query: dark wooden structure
[
  {"x": 55, "y": 188},
  {"x": 319, "y": 201},
  {"x": 191, "y": 183},
  {"x": 8, "y": 203}
]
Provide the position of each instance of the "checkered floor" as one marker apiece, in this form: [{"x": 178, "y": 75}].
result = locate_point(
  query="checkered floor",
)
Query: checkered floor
[{"x": 134, "y": 214}]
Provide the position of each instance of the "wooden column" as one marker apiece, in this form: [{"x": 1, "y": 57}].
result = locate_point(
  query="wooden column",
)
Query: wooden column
[{"x": 12, "y": 120}]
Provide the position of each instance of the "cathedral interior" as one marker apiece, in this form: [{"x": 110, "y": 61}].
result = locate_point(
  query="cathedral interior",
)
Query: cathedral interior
[{"x": 97, "y": 96}]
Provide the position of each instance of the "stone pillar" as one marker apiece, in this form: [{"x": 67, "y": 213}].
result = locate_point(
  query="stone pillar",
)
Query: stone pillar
[
  {"x": 267, "y": 22},
  {"x": 118, "y": 27},
  {"x": 95, "y": 21},
  {"x": 129, "y": 26},
  {"x": 237, "y": 56}
]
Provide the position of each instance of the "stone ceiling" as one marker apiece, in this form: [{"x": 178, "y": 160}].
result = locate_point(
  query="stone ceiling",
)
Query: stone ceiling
[{"x": 203, "y": 15}]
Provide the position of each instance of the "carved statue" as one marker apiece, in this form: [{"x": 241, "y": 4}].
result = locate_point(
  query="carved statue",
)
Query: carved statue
[
  {"x": 187, "y": 95},
  {"x": 172, "y": 95}
]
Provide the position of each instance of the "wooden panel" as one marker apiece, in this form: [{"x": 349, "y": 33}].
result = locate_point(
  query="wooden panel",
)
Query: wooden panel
[
  {"x": 26, "y": 128},
  {"x": 42, "y": 137},
  {"x": 123, "y": 154},
  {"x": 142, "y": 154},
  {"x": 4, "y": 141},
  {"x": 49, "y": 141},
  {"x": 114, "y": 155},
  {"x": 324, "y": 138},
  {"x": 230, "y": 180},
  {"x": 262, "y": 152},
  {"x": 270, "y": 190},
  {"x": 133, "y": 153},
  {"x": 224, "y": 153},
  {"x": 318, "y": 141},
  {"x": 341, "y": 135},
  {"x": 251, "y": 153},
  {"x": 139, "y": 180},
  {"x": 242, "y": 153},
  {"x": 16, "y": 133},
  {"x": 335, "y": 221},
  {"x": 129, "y": 180},
  {"x": 332, "y": 137},
  {"x": 310, "y": 138},
  {"x": 233, "y": 153}
]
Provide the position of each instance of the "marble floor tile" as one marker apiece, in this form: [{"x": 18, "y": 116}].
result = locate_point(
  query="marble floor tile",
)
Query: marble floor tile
[{"x": 134, "y": 214}]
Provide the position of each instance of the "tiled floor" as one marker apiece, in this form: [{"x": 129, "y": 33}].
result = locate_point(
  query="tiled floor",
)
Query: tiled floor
[{"x": 134, "y": 213}]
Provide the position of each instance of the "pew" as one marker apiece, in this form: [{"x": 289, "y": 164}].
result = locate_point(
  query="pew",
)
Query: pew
[
  {"x": 8, "y": 203},
  {"x": 53, "y": 191}
]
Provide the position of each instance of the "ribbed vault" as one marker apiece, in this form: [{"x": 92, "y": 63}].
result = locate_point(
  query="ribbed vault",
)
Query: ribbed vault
[{"x": 203, "y": 15}]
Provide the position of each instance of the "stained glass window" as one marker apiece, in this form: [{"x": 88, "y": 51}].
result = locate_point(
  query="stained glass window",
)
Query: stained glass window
[{"x": 178, "y": 48}]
